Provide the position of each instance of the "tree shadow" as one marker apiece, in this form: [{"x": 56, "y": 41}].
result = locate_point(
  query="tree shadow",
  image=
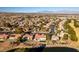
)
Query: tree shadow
[{"x": 44, "y": 49}]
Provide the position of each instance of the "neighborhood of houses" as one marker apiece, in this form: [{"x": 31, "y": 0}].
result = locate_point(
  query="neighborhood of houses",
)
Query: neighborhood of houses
[{"x": 44, "y": 28}]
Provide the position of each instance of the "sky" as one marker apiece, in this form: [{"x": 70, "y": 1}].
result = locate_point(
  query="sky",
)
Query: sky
[{"x": 37, "y": 9}]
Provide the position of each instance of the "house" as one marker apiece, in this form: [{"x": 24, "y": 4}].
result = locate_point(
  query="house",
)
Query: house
[
  {"x": 54, "y": 37},
  {"x": 61, "y": 34},
  {"x": 3, "y": 37},
  {"x": 13, "y": 37},
  {"x": 40, "y": 37}
]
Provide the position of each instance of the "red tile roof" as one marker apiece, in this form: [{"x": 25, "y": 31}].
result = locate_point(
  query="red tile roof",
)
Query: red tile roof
[
  {"x": 37, "y": 36},
  {"x": 3, "y": 36}
]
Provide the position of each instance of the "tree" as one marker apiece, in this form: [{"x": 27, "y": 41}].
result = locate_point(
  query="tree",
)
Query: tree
[
  {"x": 76, "y": 23},
  {"x": 23, "y": 39},
  {"x": 19, "y": 30},
  {"x": 65, "y": 37}
]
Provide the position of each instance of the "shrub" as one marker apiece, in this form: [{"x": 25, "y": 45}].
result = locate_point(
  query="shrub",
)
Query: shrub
[
  {"x": 70, "y": 31},
  {"x": 76, "y": 23},
  {"x": 19, "y": 30}
]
